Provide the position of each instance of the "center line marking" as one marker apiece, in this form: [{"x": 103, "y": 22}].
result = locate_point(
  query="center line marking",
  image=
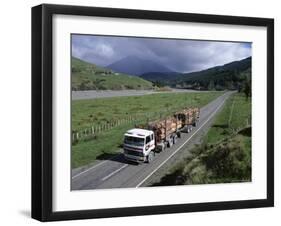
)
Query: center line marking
[
  {"x": 114, "y": 172},
  {"x": 149, "y": 175},
  {"x": 94, "y": 166}
]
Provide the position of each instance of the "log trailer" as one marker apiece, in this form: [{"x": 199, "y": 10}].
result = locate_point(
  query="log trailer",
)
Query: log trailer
[{"x": 141, "y": 143}]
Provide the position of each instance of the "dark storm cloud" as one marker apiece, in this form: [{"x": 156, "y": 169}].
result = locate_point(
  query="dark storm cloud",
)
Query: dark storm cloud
[{"x": 178, "y": 55}]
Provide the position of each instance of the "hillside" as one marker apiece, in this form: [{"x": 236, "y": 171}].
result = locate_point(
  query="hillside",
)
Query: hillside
[
  {"x": 228, "y": 76},
  {"x": 86, "y": 76},
  {"x": 136, "y": 66},
  {"x": 161, "y": 78}
]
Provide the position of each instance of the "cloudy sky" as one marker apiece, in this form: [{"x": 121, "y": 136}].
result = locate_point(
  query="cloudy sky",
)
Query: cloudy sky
[{"x": 178, "y": 55}]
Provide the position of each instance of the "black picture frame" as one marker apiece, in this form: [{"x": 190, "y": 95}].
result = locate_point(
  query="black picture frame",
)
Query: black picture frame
[{"x": 42, "y": 107}]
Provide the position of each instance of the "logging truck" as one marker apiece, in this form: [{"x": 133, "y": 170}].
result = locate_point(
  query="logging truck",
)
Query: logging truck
[{"x": 141, "y": 142}]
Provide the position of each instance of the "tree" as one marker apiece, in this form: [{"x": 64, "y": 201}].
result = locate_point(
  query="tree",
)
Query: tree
[
  {"x": 211, "y": 85},
  {"x": 239, "y": 88},
  {"x": 247, "y": 89}
]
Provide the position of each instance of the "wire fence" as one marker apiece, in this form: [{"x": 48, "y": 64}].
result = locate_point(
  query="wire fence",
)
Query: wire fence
[
  {"x": 93, "y": 131},
  {"x": 247, "y": 123},
  {"x": 231, "y": 126}
]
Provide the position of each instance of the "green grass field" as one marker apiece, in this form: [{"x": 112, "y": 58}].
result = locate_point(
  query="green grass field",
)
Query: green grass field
[
  {"x": 86, "y": 113},
  {"x": 86, "y": 76},
  {"x": 225, "y": 153}
]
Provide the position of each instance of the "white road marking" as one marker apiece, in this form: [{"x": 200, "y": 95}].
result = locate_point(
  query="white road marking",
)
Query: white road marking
[
  {"x": 180, "y": 146},
  {"x": 87, "y": 170},
  {"x": 114, "y": 172}
]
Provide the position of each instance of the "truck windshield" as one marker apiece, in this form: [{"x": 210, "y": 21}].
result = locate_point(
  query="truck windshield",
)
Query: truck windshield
[{"x": 137, "y": 141}]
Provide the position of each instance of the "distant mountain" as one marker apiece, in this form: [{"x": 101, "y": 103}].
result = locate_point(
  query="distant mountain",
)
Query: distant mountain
[
  {"x": 136, "y": 66},
  {"x": 87, "y": 76},
  {"x": 228, "y": 76},
  {"x": 144, "y": 74},
  {"x": 161, "y": 78}
]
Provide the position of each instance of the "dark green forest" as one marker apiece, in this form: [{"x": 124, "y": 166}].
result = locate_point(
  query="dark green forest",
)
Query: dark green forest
[{"x": 232, "y": 76}]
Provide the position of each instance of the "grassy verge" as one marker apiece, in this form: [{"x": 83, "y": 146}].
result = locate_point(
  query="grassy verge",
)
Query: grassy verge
[
  {"x": 86, "y": 113},
  {"x": 225, "y": 154},
  {"x": 235, "y": 115}
]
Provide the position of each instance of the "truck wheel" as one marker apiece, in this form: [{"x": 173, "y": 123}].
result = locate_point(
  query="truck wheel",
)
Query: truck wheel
[
  {"x": 162, "y": 147},
  {"x": 170, "y": 143},
  {"x": 150, "y": 157},
  {"x": 175, "y": 139}
]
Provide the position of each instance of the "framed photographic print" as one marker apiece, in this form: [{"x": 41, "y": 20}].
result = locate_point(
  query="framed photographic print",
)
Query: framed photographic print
[{"x": 145, "y": 112}]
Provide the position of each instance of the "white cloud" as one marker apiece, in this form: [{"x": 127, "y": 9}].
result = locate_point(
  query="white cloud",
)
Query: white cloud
[{"x": 104, "y": 50}]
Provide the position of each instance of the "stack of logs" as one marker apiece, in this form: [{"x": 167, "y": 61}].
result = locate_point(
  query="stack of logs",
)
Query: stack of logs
[
  {"x": 188, "y": 115},
  {"x": 164, "y": 127}
]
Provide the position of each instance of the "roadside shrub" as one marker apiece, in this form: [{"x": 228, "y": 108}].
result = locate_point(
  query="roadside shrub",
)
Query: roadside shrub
[{"x": 228, "y": 160}]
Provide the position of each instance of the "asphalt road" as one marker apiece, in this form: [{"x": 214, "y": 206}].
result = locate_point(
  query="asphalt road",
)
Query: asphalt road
[
  {"x": 94, "y": 94},
  {"x": 117, "y": 173}
]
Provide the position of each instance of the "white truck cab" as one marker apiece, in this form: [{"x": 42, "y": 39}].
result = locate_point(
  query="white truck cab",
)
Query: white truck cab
[{"x": 139, "y": 145}]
